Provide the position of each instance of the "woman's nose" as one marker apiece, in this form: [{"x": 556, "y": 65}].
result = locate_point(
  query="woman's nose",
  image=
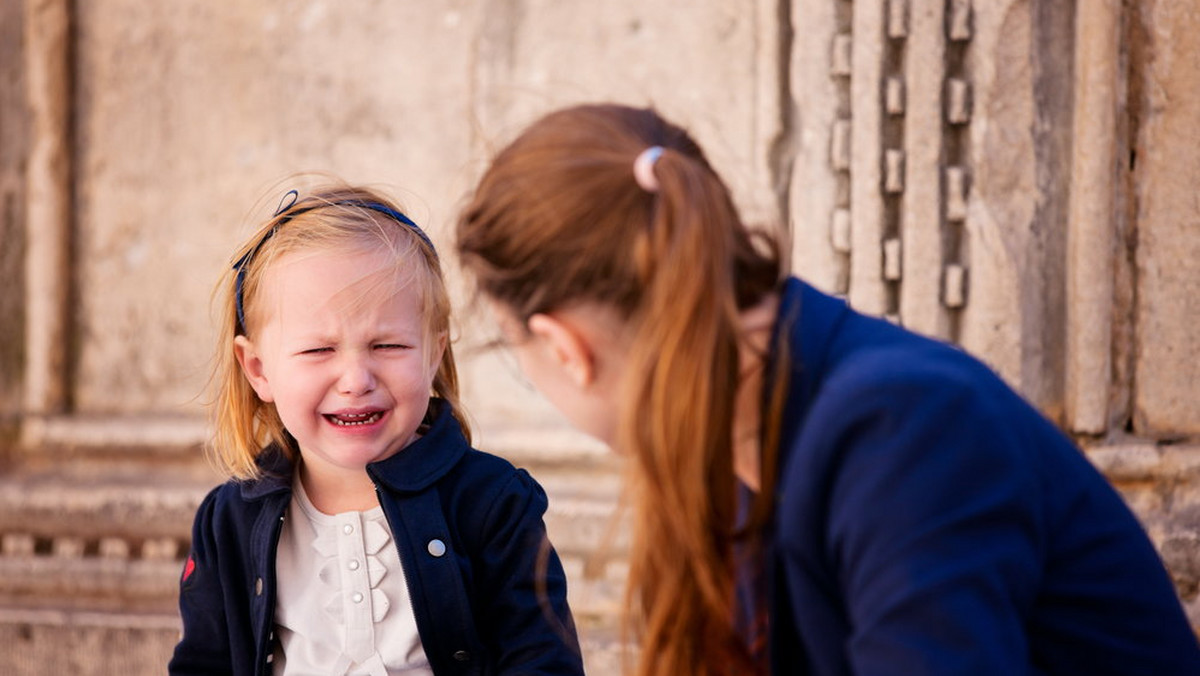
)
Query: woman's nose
[{"x": 357, "y": 376}]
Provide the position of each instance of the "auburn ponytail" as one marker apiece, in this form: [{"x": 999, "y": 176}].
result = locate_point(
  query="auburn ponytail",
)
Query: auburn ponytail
[
  {"x": 560, "y": 218},
  {"x": 677, "y": 427}
]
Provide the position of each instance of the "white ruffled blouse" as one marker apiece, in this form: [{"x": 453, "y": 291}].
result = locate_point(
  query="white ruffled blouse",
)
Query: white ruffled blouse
[{"x": 342, "y": 605}]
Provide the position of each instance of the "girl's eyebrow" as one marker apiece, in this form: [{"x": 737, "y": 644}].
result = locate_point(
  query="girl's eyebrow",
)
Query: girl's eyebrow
[{"x": 309, "y": 338}]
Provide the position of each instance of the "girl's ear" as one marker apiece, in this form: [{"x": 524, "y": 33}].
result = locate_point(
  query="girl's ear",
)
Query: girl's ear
[
  {"x": 567, "y": 347},
  {"x": 252, "y": 367}
]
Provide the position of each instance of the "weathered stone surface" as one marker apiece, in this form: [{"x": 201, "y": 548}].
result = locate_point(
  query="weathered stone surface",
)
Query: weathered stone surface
[
  {"x": 14, "y": 133},
  {"x": 867, "y": 290},
  {"x": 1092, "y": 223},
  {"x": 1161, "y": 484},
  {"x": 1167, "y": 380},
  {"x": 47, "y": 281},
  {"x": 820, "y": 236},
  {"x": 1002, "y": 300},
  {"x": 923, "y": 222},
  {"x": 711, "y": 66},
  {"x": 193, "y": 112},
  {"x": 86, "y": 644}
]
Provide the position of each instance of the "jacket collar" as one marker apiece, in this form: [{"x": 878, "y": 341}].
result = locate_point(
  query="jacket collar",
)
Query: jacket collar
[
  {"x": 275, "y": 475},
  {"x": 427, "y": 459},
  {"x": 414, "y": 468},
  {"x": 808, "y": 322}
]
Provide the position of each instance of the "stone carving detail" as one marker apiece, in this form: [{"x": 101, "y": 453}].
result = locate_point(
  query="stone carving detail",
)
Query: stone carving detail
[
  {"x": 894, "y": 96},
  {"x": 27, "y": 545},
  {"x": 17, "y": 544},
  {"x": 840, "y": 69},
  {"x": 955, "y": 286},
  {"x": 923, "y": 131},
  {"x": 958, "y": 101},
  {"x": 956, "y": 177},
  {"x": 959, "y": 25},
  {"x": 897, "y": 18},
  {"x": 956, "y": 194},
  {"x": 893, "y": 174}
]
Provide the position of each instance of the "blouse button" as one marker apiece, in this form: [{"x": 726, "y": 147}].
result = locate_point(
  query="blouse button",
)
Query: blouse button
[
  {"x": 353, "y": 565},
  {"x": 462, "y": 656},
  {"x": 357, "y": 597},
  {"x": 436, "y": 548},
  {"x": 258, "y": 587},
  {"x": 347, "y": 529}
]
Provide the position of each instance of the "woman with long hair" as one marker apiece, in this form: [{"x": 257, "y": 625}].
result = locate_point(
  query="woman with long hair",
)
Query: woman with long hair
[{"x": 814, "y": 490}]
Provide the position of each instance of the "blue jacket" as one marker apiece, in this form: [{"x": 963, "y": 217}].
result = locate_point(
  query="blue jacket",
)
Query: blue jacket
[
  {"x": 929, "y": 521},
  {"x": 493, "y": 603}
]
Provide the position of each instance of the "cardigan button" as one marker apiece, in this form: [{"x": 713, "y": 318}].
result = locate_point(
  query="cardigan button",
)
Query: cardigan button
[
  {"x": 437, "y": 548},
  {"x": 258, "y": 587},
  {"x": 462, "y": 656}
]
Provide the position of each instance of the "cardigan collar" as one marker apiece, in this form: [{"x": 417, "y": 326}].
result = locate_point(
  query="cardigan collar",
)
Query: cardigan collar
[
  {"x": 807, "y": 323},
  {"x": 414, "y": 468}
]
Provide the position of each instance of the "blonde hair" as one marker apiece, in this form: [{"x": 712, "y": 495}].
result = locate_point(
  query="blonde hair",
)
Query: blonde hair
[
  {"x": 559, "y": 218},
  {"x": 337, "y": 217}
]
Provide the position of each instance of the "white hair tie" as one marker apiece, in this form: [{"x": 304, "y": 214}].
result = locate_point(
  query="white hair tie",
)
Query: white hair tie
[{"x": 643, "y": 168}]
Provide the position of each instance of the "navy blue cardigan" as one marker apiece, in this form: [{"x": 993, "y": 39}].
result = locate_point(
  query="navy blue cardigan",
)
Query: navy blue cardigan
[
  {"x": 929, "y": 521},
  {"x": 493, "y": 603}
]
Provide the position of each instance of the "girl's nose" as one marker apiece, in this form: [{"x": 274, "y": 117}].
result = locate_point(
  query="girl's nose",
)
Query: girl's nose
[{"x": 357, "y": 376}]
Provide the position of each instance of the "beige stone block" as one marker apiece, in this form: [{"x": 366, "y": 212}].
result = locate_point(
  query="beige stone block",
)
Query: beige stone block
[
  {"x": 819, "y": 65},
  {"x": 711, "y": 66},
  {"x": 959, "y": 24},
  {"x": 86, "y": 644},
  {"x": 46, "y": 42},
  {"x": 14, "y": 143},
  {"x": 921, "y": 302},
  {"x": 892, "y": 256},
  {"x": 956, "y": 194},
  {"x": 958, "y": 101},
  {"x": 894, "y": 96},
  {"x": 193, "y": 112},
  {"x": 839, "y": 234},
  {"x": 1000, "y": 310},
  {"x": 1167, "y": 380},
  {"x": 867, "y": 291}
]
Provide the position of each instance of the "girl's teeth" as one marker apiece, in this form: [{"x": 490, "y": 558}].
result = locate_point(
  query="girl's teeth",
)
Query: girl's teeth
[{"x": 356, "y": 419}]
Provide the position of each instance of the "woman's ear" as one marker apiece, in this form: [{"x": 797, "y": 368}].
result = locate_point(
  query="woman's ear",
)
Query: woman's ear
[
  {"x": 252, "y": 367},
  {"x": 567, "y": 347}
]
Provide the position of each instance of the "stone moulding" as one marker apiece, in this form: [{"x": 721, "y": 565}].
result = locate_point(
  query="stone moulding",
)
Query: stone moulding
[{"x": 1142, "y": 461}]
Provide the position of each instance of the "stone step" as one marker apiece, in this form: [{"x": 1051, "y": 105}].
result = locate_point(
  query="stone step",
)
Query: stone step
[
  {"x": 106, "y": 531},
  {"x": 84, "y": 643}
]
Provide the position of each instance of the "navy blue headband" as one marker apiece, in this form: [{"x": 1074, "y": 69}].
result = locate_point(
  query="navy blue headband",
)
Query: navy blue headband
[{"x": 244, "y": 262}]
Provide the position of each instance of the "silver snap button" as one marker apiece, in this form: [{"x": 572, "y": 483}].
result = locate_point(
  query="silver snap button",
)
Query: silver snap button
[
  {"x": 258, "y": 587},
  {"x": 357, "y": 597},
  {"x": 353, "y": 565},
  {"x": 436, "y": 547}
]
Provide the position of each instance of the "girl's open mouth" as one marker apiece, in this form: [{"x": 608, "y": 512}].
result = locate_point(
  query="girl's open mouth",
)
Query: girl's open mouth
[{"x": 354, "y": 419}]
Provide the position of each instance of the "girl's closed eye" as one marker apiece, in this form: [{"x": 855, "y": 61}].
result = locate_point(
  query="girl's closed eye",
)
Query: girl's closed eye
[
  {"x": 393, "y": 346},
  {"x": 316, "y": 350}
]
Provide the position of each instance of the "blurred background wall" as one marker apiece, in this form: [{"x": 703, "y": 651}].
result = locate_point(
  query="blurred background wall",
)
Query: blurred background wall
[{"x": 1016, "y": 176}]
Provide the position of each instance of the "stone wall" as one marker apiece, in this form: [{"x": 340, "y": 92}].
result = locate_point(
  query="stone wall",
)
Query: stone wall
[
  {"x": 14, "y": 135},
  {"x": 1017, "y": 176}
]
